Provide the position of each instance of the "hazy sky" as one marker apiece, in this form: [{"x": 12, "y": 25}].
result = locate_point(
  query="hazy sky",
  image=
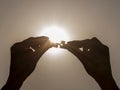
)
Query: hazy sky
[{"x": 20, "y": 19}]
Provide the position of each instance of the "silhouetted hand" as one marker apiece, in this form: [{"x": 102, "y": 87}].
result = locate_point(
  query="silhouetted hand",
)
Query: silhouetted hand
[
  {"x": 24, "y": 57},
  {"x": 96, "y": 60}
]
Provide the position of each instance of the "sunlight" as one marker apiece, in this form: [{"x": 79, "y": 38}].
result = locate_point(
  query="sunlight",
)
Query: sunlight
[{"x": 56, "y": 34}]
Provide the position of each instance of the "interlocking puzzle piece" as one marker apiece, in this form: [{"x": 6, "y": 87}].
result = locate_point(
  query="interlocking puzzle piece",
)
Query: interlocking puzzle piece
[
  {"x": 57, "y": 45},
  {"x": 62, "y": 42}
]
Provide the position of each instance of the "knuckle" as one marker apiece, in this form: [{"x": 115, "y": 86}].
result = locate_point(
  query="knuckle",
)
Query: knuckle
[
  {"x": 106, "y": 47},
  {"x": 15, "y": 45},
  {"x": 30, "y": 38},
  {"x": 94, "y": 38},
  {"x": 44, "y": 37}
]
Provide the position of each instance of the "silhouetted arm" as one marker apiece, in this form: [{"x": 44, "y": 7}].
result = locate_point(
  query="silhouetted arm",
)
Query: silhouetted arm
[
  {"x": 24, "y": 57},
  {"x": 107, "y": 84},
  {"x": 96, "y": 60}
]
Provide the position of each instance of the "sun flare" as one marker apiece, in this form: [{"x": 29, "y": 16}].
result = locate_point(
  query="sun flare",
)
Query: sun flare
[{"x": 56, "y": 34}]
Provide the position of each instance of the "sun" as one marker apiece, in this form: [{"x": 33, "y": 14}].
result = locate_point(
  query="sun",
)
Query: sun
[{"x": 56, "y": 34}]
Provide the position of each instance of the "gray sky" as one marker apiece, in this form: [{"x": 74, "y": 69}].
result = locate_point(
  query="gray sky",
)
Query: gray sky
[{"x": 20, "y": 19}]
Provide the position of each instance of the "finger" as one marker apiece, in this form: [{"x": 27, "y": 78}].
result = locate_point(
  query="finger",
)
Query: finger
[
  {"x": 78, "y": 43},
  {"x": 35, "y": 41},
  {"x": 46, "y": 43},
  {"x": 98, "y": 46},
  {"x": 75, "y": 51},
  {"x": 71, "y": 49},
  {"x": 41, "y": 50},
  {"x": 85, "y": 49},
  {"x": 95, "y": 41},
  {"x": 30, "y": 42}
]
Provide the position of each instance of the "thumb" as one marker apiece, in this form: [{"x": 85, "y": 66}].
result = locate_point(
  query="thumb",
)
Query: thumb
[
  {"x": 41, "y": 50},
  {"x": 75, "y": 51}
]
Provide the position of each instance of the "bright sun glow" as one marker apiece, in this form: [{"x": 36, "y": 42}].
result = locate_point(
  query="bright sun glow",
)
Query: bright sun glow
[{"x": 56, "y": 34}]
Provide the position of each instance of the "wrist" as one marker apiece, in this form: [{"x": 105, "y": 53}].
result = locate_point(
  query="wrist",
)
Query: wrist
[
  {"x": 12, "y": 86},
  {"x": 107, "y": 83},
  {"x": 13, "y": 83}
]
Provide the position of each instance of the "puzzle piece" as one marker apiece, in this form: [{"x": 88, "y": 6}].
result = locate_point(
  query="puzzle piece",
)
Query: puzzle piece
[
  {"x": 62, "y": 42},
  {"x": 58, "y": 44},
  {"x": 55, "y": 45}
]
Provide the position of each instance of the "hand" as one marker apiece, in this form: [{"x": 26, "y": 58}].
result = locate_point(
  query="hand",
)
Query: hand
[
  {"x": 24, "y": 57},
  {"x": 96, "y": 60}
]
